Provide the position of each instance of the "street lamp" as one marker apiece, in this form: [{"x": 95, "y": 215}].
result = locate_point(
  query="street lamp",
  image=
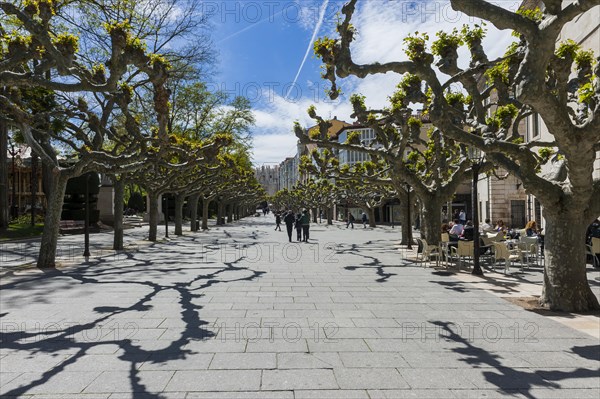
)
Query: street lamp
[
  {"x": 86, "y": 224},
  {"x": 166, "y": 215},
  {"x": 13, "y": 153},
  {"x": 476, "y": 157},
  {"x": 408, "y": 224}
]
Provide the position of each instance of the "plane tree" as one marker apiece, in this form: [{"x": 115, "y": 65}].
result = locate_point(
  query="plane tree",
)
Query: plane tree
[
  {"x": 40, "y": 53},
  {"x": 405, "y": 152},
  {"x": 542, "y": 73},
  {"x": 166, "y": 170}
]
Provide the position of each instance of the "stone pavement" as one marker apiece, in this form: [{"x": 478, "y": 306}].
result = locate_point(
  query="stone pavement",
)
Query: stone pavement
[{"x": 238, "y": 312}]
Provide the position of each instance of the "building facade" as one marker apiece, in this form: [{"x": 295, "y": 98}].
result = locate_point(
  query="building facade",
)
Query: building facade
[
  {"x": 268, "y": 176},
  {"x": 585, "y": 31}
]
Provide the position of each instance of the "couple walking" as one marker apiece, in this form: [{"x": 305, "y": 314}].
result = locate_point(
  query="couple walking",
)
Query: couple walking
[
  {"x": 301, "y": 222},
  {"x": 350, "y": 220}
]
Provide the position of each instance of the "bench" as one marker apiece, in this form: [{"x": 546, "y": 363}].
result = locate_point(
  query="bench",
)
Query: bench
[{"x": 71, "y": 226}]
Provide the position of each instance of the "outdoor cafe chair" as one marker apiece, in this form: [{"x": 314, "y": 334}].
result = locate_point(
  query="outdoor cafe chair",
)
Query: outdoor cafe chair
[
  {"x": 428, "y": 252},
  {"x": 529, "y": 247},
  {"x": 501, "y": 251},
  {"x": 593, "y": 250},
  {"x": 464, "y": 249}
]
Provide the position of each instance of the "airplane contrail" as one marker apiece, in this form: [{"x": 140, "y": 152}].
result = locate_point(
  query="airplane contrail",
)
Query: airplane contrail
[{"x": 310, "y": 44}]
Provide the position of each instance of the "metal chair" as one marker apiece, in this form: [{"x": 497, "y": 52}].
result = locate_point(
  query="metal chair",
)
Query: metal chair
[
  {"x": 463, "y": 250},
  {"x": 428, "y": 252},
  {"x": 593, "y": 250},
  {"x": 501, "y": 251}
]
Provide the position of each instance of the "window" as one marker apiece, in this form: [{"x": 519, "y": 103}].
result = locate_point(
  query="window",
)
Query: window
[
  {"x": 533, "y": 125},
  {"x": 517, "y": 214}
]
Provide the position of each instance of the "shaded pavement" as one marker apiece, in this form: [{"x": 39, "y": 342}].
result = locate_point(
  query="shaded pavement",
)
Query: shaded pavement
[{"x": 238, "y": 312}]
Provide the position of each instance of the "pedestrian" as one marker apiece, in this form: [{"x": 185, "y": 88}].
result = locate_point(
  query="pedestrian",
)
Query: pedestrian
[
  {"x": 289, "y": 221},
  {"x": 305, "y": 221},
  {"x": 364, "y": 220},
  {"x": 298, "y": 226},
  {"x": 278, "y": 221},
  {"x": 462, "y": 217},
  {"x": 444, "y": 217},
  {"x": 350, "y": 220}
]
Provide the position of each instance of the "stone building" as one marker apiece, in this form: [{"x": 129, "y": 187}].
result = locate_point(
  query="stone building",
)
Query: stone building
[{"x": 268, "y": 176}]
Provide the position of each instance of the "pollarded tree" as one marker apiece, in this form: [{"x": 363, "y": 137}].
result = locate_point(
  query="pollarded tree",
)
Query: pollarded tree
[
  {"x": 40, "y": 53},
  {"x": 538, "y": 75},
  {"x": 286, "y": 199},
  {"x": 167, "y": 171},
  {"x": 406, "y": 151}
]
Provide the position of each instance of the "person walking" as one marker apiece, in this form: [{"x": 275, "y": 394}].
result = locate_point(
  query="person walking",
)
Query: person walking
[
  {"x": 350, "y": 220},
  {"x": 298, "y": 226},
  {"x": 305, "y": 221},
  {"x": 462, "y": 217},
  {"x": 364, "y": 220},
  {"x": 289, "y": 221},
  {"x": 278, "y": 221}
]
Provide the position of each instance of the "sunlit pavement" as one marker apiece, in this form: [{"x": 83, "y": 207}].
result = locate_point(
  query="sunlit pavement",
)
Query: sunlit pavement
[{"x": 238, "y": 312}]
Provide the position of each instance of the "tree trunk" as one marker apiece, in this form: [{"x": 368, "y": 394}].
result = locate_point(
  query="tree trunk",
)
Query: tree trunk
[
  {"x": 407, "y": 235},
  {"x": 119, "y": 186},
  {"x": 4, "y": 211},
  {"x": 193, "y": 206},
  {"x": 220, "y": 213},
  {"x": 47, "y": 255},
  {"x": 229, "y": 213},
  {"x": 48, "y": 180},
  {"x": 33, "y": 185},
  {"x": 431, "y": 214},
  {"x": 205, "y": 204},
  {"x": 566, "y": 287},
  {"x": 372, "y": 217},
  {"x": 153, "y": 217},
  {"x": 314, "y": 215},
  {"x": 330, "y": 215},
  {"x": 179, "y": 200}
]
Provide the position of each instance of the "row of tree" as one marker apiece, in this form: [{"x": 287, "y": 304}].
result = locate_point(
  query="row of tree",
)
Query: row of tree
[
  {"x": 479, "y": 107},
  {"x": 112, "y": 87}
]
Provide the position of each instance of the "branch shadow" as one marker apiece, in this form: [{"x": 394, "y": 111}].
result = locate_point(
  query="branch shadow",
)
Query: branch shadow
[
  {"x": 371, "y": 251},
  {"x": 507, "y": 379},
  {"x": 154, "y": 276}
]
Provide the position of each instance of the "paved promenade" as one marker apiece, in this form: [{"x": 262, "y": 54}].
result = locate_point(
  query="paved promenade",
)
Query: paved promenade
[{"x": 238, "y": 312}]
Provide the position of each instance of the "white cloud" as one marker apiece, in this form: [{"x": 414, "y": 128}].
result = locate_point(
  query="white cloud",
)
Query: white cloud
[{"x": 381, "y": 26}]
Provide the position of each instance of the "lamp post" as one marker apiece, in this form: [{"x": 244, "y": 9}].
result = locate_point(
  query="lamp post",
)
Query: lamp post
[
  {"x": 13, "y": 153},
  {"x": 408, "y": 224},
  {"x": 166, "y": 215},
  {"x": 476, "y": 157},
  {"x": 86, "y": 224}
]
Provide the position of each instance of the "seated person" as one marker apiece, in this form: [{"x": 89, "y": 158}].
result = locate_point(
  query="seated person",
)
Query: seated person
[
  {"x": 500, "y": 226},
  {"x": 445, "y": 228},
  {"x": 593, "y": 231},
  {"x": 531, "y": 229},
  {"x": 468, "y": 232},
  {"x": 456, "y": 230},
  {"x": 486, "y": 226}
]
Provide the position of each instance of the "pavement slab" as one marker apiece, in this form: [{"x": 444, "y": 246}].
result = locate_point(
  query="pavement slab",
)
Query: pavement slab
[{"x": 238, "y": 312}]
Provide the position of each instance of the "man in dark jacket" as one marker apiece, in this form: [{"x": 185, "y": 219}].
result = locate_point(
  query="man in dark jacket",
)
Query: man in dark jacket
[
  {"x": 298, "y": 226},
  {"x": 305, "y": 222},
  {"x": 289, "y": 221}
]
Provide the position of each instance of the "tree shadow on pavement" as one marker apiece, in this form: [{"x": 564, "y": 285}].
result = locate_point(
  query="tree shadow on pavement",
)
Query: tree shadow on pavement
[
  {"x": 371, "y": 252},
  {"x": 507, "y": 379},
  {"x": 151, "y": 278}
]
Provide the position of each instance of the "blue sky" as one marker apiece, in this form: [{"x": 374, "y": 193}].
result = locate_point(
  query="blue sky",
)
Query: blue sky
[{"x": 262, "y": 44}]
